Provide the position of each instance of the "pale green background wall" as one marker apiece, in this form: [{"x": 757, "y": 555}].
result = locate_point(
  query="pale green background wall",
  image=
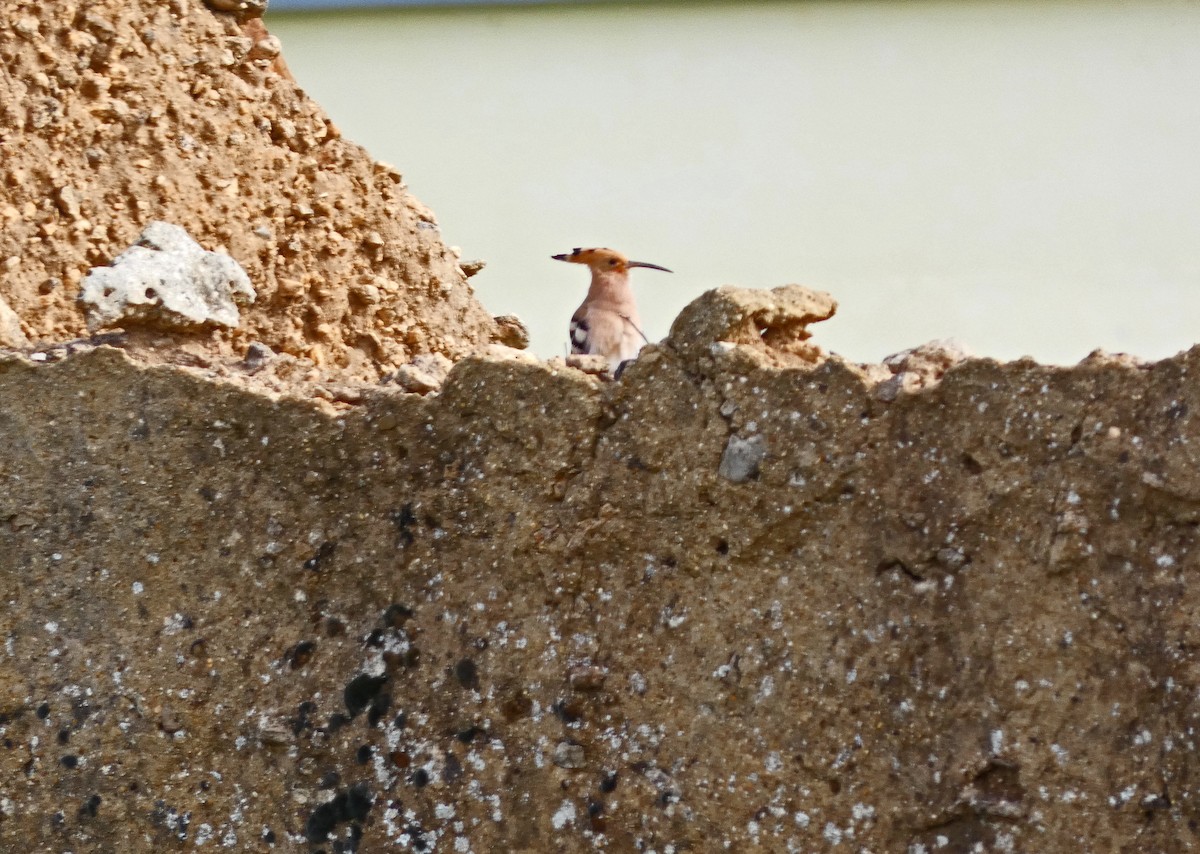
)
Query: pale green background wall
[{"x": 1024, "y": 176}]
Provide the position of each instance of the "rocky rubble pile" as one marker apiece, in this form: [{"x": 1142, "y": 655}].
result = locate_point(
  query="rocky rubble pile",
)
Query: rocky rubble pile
[{"x": 115, "y": 114}]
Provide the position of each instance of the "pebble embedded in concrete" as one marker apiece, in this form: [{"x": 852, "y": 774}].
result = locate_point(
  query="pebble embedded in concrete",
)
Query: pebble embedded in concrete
[
  {"x": 742, "y": 457},
  {"x": 568, "y": 755}
]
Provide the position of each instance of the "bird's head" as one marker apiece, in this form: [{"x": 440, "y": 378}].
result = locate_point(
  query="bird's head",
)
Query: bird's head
[{"x": 602, "y": 260}]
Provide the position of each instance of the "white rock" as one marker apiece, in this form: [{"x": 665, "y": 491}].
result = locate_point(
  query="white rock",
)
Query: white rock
[
  {"x": 11, "y": 334},
  {"x": 166, "y": 279}
]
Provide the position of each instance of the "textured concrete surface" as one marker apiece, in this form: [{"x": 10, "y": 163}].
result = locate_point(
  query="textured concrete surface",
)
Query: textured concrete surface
[{"x": 530, "y": 614}]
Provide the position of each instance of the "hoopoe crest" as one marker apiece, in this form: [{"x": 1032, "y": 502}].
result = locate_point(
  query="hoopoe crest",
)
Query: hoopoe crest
[{"x": 607, "y": 323}]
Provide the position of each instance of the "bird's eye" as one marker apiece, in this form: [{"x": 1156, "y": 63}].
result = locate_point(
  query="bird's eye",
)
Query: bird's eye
[{"x": 612, "y": 262}]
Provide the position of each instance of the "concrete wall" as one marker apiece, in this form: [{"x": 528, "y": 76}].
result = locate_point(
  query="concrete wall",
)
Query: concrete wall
[{"x": 538, "y": 613}]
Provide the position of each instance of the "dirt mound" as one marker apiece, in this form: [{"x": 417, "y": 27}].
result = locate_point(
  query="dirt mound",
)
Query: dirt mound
[{"x": 115, "y": 114}]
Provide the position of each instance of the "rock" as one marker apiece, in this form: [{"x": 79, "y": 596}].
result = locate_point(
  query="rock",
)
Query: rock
[
  {"x": 386, "y": 421},
  {"x": 567, "y": 755},
  {"x": 166, "y": 280},
  {"x": 511, "y": 332},
  {"x": 594, "y": 365},
  {"x": 242, "y": 8},
  {"x": 274, "y": 730},
  {"x": 351, "y": 394},
  {"x": 266, "y": 48},
  {"x": 11, "y": 334},
  {"x": 1103, "y": 357},
  {"x": 931, "y": 359},
  {"x": 587, "y": 678},
  {"x": 919, "y": 367},
  {"x": 504, "y": 353},
  {"x": 67, "y": 200},
  {"x": 257, "y": 355},
  {"x": 411, "y": 378},
  {"x": 773, "y": 323},
  {"x": 472, "y": 268},
  {"x": 424, "y": 374},
  {"x": 168, "y": 721},
  {"x": 742, "y": 457}
]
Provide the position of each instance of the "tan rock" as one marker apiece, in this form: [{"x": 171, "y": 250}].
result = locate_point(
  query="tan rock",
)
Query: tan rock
[
  {"x": 504, "y": 353},
  {"x": 773, "y": 323},
  {"x": 594, "y": 365},
  {"x": 424, "y": 374},
  {"x": 919, "y": 367},
  {"x": 11, "y": 334},
  {"x": 512, "y": 332}
]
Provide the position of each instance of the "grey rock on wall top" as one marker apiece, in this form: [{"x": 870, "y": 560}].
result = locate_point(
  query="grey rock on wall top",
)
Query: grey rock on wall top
[{"x": 166, "y": 279}]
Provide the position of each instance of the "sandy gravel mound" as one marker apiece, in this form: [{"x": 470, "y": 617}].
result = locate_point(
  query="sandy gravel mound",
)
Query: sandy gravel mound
[{"x": 114, "y": 114}]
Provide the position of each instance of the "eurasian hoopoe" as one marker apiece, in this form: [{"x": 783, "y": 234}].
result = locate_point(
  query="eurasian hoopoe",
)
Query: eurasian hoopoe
[{"x": 607, "y": 324}]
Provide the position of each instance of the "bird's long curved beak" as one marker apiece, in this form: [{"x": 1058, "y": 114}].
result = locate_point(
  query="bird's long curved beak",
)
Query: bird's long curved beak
[
  {"x": 648, "y": 266},
  {"x": 563, "y": 257}
]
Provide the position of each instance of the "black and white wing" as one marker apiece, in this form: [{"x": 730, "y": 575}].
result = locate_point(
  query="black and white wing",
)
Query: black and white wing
[{"x": 580, "y": 338}]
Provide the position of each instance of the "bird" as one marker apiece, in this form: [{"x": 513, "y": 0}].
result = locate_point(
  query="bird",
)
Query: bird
[{"x": 607, "y": 323}]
